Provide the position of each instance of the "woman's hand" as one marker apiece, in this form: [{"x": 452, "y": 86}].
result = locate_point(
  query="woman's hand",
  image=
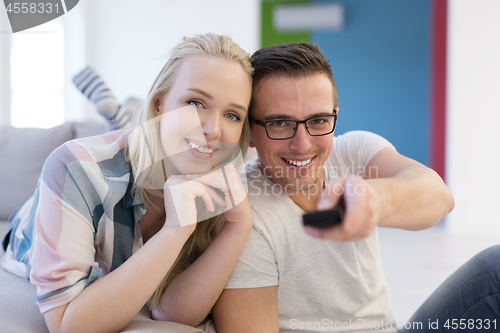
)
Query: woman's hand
[
  {"x": 226, "y": 179},
  {"x": 179, "y": 200}
]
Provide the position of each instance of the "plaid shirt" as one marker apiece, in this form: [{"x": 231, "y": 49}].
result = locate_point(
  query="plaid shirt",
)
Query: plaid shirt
[{"x": 81, "y": 223}]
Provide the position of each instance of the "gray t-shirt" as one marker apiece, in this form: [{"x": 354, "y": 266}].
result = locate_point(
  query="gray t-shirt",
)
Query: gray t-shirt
[{"x": 323, "y": 286}]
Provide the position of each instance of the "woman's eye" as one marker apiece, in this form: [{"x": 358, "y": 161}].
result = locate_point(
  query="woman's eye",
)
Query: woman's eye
[
  {"x": 232, "y": 116},
  {"x": 195, "y": 104}
]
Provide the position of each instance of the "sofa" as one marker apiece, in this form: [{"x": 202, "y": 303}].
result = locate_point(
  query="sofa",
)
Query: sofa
[{"x": 22, "y": 154}]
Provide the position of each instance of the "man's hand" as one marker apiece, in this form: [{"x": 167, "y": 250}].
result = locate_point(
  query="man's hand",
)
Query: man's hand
[{"x": 362, "y": 213}]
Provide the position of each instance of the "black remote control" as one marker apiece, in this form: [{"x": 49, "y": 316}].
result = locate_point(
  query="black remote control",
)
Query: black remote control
[{"x": 326, "y": 218}]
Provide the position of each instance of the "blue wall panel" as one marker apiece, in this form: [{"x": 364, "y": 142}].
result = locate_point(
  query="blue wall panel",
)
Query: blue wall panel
[{"x": 381, "y": 63}]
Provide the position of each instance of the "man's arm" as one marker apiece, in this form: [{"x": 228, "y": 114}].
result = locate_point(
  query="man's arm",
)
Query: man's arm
[
  {"x": 414, "y": 196},
  {"x": 396, "y": 192},
  {"x": 247, "y": 310}
]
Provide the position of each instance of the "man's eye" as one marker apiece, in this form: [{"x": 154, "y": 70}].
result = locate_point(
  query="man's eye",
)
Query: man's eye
[
  {"x": 195, "y": 104},
  {"x": 320, "y": 122},
  {"x": 277, "y": 123}
]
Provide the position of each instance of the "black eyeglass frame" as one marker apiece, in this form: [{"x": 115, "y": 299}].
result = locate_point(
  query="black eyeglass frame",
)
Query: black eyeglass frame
[{"x": 297, "y": 123}]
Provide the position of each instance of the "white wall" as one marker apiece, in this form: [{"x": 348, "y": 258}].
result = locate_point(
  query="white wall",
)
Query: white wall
[
  {"x": 128, "y": 41},
  {"x": 473, "y": 129},
  {"x": 76, "y": 105},
  {"x": 5, "y": 41}
]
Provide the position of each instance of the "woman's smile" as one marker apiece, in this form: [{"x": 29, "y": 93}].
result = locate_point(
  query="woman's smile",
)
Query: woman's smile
[{"x": 202, "y": 148}]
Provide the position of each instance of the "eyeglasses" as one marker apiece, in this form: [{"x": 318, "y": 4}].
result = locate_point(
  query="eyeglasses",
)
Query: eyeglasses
[{"x": 286, "y": 129}]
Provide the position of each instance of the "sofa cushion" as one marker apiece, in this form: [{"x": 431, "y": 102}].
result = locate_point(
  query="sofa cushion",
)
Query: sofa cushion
[
  {"x": 142, "y": 323},
  {"x": 88, "y": 128},
  {"x": 22, "y": 154},
  {"x": 19, "y": 310}
]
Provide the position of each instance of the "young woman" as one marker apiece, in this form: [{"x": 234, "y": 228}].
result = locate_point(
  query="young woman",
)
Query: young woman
[{"x": 114, "y": 217}]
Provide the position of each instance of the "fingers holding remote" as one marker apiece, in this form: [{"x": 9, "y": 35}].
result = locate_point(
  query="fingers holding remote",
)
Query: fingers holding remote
[{"x": 361, "y": 215}]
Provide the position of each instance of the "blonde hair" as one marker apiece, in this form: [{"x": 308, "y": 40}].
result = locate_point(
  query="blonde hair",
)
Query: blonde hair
[{"x": 145, "y": 149}]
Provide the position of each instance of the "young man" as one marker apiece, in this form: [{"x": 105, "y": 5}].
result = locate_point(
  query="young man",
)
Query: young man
[{"x": 286, "y": 280}]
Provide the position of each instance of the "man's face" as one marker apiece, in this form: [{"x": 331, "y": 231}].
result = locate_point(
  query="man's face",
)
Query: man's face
[{"x": 296, "y": 99}]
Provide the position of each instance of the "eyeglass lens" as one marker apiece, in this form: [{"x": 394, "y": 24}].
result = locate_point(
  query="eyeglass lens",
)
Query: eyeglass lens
[{"x": 282, "y": 129}]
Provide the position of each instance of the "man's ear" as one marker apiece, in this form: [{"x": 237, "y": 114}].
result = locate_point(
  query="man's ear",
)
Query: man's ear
[{"x": 250, "y": 142}]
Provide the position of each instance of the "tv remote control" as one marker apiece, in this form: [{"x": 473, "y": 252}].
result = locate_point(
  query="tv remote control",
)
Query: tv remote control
[{"x": 326, "y": 218}]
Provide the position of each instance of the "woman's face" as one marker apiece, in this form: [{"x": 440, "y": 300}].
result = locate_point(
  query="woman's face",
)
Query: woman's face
[{"x": 202, "y": 116}]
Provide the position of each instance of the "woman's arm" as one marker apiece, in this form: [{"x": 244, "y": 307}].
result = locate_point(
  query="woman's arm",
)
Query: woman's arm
[
  {"x": 111, "y": 302},
  {"x": 192, "y": 294},
  {"x": 64, "y": 247}
]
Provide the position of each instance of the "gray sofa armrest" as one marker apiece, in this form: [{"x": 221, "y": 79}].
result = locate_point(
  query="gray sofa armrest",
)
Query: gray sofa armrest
[{"x": 23, "y": 152}]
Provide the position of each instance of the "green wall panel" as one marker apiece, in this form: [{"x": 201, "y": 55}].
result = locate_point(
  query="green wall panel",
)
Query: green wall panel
[{"x": 269, "y": 36}]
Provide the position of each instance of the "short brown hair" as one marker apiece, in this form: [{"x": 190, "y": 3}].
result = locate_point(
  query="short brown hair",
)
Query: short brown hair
[{"x": 293, "y": 60}]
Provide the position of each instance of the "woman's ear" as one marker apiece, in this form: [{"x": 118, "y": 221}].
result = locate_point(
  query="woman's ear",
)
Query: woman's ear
[{"x": 157, "y": 107}]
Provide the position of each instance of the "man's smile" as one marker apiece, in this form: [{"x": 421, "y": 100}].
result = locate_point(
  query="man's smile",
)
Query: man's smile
[{"x": 299, "y": 162}]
